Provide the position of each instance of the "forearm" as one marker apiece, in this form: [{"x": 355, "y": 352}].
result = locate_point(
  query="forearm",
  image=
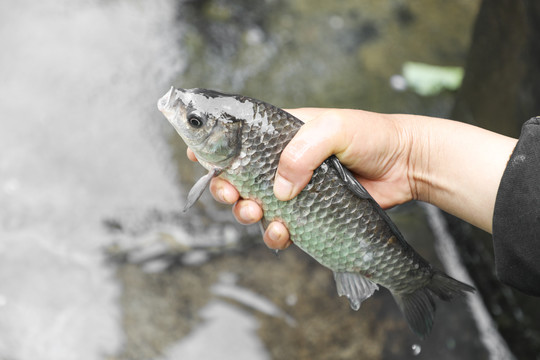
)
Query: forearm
[{"x": 456, "y": 166}]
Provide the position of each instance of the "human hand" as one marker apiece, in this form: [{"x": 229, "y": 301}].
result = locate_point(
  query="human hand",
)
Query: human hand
[{"x": 371, "y": 145}]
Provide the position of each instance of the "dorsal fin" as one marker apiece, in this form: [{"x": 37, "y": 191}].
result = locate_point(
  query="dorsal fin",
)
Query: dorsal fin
[
  {"x": 354, "y": 185},
  {"x": 349, "y": 179}
]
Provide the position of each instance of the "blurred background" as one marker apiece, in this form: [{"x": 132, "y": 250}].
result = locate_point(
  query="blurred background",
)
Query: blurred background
[{"x": 97, "y": 261}]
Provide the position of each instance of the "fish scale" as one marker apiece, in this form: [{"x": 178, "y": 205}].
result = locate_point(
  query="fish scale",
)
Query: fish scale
[
  {"x": 333, "y": 219},
  {"x": 340, "y": 242}
]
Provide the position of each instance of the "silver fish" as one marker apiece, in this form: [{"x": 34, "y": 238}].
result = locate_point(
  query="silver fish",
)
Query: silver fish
[{"x": 334, "y": 219}]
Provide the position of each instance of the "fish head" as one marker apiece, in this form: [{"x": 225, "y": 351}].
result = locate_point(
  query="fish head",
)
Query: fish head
[{"x": 210, "y": 123}]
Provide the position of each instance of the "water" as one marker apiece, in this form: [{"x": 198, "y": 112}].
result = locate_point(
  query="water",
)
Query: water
[
  {"x": 78, "y": 144},
  {"x": 233, "y": 334}
]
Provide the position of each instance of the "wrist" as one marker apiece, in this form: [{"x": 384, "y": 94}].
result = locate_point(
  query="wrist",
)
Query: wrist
[
  {"x": 456, "y": 166},
  {"x": 414, "y": 141}
]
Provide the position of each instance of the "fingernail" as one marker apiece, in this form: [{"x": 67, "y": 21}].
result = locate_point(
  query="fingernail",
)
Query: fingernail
[
  {"x": 273, "y": 234},
  {"x": 220, "y": 194},
  {"x": 246, "y": 214},
  {"x": 282, "y": 188}
]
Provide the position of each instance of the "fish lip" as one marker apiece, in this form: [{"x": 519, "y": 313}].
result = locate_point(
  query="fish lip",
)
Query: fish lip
[{"x": 164, "y": 103}]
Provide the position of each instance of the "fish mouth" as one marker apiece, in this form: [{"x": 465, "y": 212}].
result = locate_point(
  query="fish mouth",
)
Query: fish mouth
[{"x": 166, "y": 101}]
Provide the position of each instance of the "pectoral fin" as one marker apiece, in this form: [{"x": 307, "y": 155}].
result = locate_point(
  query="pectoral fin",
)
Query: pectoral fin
[
  {"x": 355, "y": 286},
  {"x": 199, "y": 187}
]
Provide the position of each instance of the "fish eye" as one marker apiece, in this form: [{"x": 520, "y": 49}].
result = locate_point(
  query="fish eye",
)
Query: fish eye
[{"x": 195, "y": 121}]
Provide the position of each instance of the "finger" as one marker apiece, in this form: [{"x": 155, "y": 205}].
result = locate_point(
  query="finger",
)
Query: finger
[
  {"x": 247, "y": 212},
  {"x": 223, "y": 191},
  {"x": 276, "y": 236},
  {"x": 191, "y": 156},
  {"x": 314, "y": 143}
]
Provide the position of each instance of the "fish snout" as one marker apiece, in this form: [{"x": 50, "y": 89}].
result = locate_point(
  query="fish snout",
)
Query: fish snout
[{"x": 166, "y": 101}]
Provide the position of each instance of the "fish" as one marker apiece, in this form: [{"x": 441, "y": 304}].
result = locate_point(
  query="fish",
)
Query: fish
[{"x": 333, "y": 219}]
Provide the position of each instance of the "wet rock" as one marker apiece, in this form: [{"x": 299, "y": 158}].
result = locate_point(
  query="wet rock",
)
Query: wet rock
[
  {"x": 501, "y": 86},
  {"x": 323, "y": 326}
]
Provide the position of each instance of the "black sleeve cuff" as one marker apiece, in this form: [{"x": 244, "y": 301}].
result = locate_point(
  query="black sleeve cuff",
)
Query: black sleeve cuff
[{"x": 516, "y": 219}]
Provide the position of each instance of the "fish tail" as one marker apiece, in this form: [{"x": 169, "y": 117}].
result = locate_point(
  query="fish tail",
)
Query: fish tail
[
  {"x": 446, "y": 287},
  {"x": 419, "y": 306}
]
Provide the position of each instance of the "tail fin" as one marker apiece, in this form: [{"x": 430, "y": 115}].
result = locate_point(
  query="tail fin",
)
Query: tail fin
[{"x": 419, "y": 307}]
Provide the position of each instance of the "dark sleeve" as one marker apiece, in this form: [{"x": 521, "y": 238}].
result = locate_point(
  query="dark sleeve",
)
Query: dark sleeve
[{"x": 516, "y": 220}]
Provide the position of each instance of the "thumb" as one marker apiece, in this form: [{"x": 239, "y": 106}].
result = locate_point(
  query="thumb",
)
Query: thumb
[{"x": 314, "y": 143}]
